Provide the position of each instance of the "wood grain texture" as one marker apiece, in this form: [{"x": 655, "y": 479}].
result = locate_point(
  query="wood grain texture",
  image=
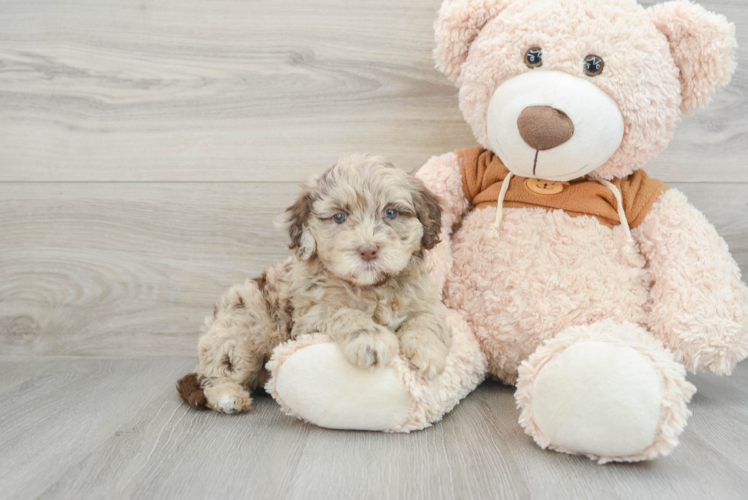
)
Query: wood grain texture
[
  {"x": 115, "y": 428},
  {"x": 147, "y": 150},
  {"x": 115, "y": 269},
  {"x": 262, "y": 90},
  {"x": 141, "y": 144}
]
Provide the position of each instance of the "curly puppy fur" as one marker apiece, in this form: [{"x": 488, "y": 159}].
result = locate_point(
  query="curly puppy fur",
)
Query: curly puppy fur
[{"x": 358, "y": 274}]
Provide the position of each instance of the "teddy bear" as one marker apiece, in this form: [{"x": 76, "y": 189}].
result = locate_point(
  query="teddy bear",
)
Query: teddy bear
[
  {"x": 590, "y": 285},
  {"x": 568, "y": 271}
]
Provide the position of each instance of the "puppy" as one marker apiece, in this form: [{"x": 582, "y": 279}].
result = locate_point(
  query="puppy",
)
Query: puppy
[{"x": 358, "y": 275}]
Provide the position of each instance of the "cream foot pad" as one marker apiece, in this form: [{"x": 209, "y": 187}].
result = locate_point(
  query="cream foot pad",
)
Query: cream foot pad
[{"x": 312, "y": 380}]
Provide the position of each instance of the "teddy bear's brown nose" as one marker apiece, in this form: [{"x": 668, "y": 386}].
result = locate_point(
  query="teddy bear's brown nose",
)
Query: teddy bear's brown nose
[{"x": 543, "y": 127}]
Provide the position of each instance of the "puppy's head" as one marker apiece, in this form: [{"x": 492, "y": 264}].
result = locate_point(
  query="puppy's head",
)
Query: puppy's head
[{"x": 364, "y": 219}]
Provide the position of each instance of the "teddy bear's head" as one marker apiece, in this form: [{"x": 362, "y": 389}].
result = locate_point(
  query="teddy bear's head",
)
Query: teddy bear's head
[{"x": 560, "y": 89}]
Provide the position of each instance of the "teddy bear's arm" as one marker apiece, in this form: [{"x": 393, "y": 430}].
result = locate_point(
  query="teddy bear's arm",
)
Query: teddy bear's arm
[
  {"x": 441, "y": 175},
  {"x": 699, "y": 306}
]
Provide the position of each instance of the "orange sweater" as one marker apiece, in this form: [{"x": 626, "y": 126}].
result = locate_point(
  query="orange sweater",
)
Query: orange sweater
[{"x": 483, "y": 173}]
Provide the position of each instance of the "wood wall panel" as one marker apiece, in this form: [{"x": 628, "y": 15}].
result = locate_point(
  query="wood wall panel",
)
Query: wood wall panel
[
  {"x": 131, "y": 269},
  {"x": 262, "y": 90}
]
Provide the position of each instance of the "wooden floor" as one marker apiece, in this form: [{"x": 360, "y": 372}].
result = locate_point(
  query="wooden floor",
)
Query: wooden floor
[
  {"x": 147, "y": 149},
  {"x": 114, "y": 428}
]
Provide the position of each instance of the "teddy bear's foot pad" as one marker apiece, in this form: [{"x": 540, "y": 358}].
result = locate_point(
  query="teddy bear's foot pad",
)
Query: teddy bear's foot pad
[
  {"x": 598, "y": 398},
  {"x": 608, "y": 390},
  {"x": 323, "y": 387}
]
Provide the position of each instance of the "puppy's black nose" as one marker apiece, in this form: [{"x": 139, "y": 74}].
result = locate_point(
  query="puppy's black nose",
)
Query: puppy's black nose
[{"x": 367, "y": 252}]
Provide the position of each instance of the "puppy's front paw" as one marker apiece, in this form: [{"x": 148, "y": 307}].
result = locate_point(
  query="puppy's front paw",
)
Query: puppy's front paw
[
  {"x": 366, "y": 348},
  {"x": 427, "y": 353}
]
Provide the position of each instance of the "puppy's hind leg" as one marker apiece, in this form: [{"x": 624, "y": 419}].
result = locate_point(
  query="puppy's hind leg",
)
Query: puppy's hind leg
[
  {"x": 246, "y": 326},
  {"x": 219, "y": 393},
  {"x": 226, "y": 396}
]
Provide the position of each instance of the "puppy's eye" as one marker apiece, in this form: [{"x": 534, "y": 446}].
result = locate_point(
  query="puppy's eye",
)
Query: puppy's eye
[
  {"x": 390, "y": 213},
  {"x": 534, "y": 57},
  {"x": 339, "y": 218},
  {"x": 593, "y": 65}
]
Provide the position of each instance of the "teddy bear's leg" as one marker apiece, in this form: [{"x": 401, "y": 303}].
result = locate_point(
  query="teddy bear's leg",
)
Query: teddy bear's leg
[
  {"x": 607, "y": 390},
  {"x": 312, "y": 380}
]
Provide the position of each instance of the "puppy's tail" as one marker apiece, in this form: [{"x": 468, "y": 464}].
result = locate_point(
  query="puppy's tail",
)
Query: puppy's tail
[{"x": 191, "y": 393}]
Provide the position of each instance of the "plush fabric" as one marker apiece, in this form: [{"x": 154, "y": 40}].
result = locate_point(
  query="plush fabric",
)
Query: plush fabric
[
  {"x": 545, "y": 272},
  {"x": 543, "y": 127},
  {"x": 343, "y": 396},
  {"x": 442, "y": 174},
  {"x": 607, "y": 390},
  {"x": 312, "y": 381},
  {"x": 481, "y": 44},
  {"x": 595, "y": 324},
  {"x": 458, "y": 25},
  {"x": 698, "y": 304},
  {"x": 578, "y": 99},
  {"x": 702, "y": 44},
  {"x": 483, "y": 174}
]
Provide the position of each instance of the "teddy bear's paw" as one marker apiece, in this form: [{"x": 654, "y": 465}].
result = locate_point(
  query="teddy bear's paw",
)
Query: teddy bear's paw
[
  {"x": 228, "y": 398},
  {"x": 606, "y": 390},
  {"x": 367, "y": 348},
  {"x": 319, "y": 384},
  {"x": 428, "y": 354},
  {"x": 597, "y": 398}
]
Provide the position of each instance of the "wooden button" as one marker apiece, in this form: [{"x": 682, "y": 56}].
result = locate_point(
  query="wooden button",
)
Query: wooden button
[{"x": 541, "y": 186}]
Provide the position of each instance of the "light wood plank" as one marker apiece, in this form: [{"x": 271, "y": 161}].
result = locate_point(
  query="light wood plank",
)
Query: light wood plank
[
  {"x": 123, "y": 90},
  {"x": 65, "y": 408},
  {"x": 131, "y": 269},
  {"x": 87, "y": 428},
  {"x": 141, "y": 96},
  {"x": 111, "y": 269}
]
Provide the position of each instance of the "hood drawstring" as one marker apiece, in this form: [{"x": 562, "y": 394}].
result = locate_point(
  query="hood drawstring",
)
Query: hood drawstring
[
  {"x": 616, "y": 192},
  {"x": 500, "y": 205},
  {"x": 621, "y": 213}
]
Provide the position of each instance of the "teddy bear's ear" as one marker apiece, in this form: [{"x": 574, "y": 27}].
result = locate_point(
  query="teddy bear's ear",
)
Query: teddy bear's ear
[
  {"x": 458, "y": 24},
  {"x": 703, "y": 46}
]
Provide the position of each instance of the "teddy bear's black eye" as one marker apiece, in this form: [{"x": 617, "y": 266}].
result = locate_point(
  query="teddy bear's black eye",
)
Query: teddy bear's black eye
[
  {"x": 593, "y": 65},
  {"x": 339, "y": 218},
  {"x": 534, "y": 57},
  {"x": 390, "y": 213}
]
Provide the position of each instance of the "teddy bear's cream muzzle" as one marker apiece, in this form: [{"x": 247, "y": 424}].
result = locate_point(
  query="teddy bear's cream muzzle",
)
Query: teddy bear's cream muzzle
[{"x": 552, "y": 125}]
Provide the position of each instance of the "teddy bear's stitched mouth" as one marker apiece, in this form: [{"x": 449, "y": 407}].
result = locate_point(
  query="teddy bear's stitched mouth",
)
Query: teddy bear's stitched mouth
[
  {"x": 574, "y": 172},
  {"x": 535, "y": 166}
]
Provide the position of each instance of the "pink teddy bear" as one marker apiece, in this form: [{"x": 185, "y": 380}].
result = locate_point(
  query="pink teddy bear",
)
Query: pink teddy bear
[
  {"x": 567, "y": 270},
  {"x": 590, "y": 286}
]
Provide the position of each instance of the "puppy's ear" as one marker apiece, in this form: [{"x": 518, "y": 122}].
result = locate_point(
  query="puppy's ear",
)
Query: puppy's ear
[
  {"x": 297, "y": 216},
  {"x": 429, "y": 212}
]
